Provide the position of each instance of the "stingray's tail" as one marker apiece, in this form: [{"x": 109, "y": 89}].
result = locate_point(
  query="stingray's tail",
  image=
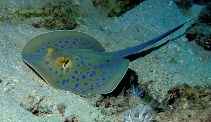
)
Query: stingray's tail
[{"x": 136, "y": 49}]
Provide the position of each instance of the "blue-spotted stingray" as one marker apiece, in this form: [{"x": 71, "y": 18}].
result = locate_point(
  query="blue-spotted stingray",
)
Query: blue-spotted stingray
[{"x": 76, "y": 62}]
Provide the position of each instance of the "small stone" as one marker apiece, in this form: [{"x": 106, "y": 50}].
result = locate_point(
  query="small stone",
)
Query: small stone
[
  {"x": 61, "y": 108},
  {"x": 15, "y": 81}
]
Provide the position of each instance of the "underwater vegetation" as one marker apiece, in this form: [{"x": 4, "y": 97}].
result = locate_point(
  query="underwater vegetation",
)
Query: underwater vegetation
[
  {"x": 135, "y": 90},
  {"x": 182, "y": 102},
  {"x": 141, "y": 113},
  {"x": 53, "y": 16},
  {"x": 199, "y": 31},
  {"x": 189, "y": 97},
  {"x": 116, "y": 7},
  {"x": 36, "y": 105},
  {"x": 185, "y": 5},
  {"x": 186, "y": 103}
]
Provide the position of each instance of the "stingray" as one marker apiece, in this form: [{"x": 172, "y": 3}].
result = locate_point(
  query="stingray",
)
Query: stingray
[{"x": 76, "y": 62}]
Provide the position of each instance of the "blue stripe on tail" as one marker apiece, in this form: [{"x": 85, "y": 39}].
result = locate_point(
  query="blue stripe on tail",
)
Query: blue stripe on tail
[{"x": 136, "y": 49}]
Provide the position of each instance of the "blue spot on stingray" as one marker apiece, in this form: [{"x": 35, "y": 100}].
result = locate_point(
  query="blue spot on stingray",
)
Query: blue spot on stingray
[
  {"x": 63, "y": 81},
  {"x": 92, "y": 46},
  {"x": 37, "y": 55},
  {"x": 69, "y": 47},
  {"x": 48, "y": 42},
  {"x": 104, "y": 72},
  {"x": 47, "y": 46},
  {"x": 83, "y": 76},
  {"x": 76, "y": 39},
  {"x": 67, "y": 80},
  {"x": 82, "y": 62},
  {"x": 93, "y": 72},
  {"x": 61, "y": 69},
  {"x": 89, "y": 64},
  {"x": 100, "y": 67},
  {"x": 67, "y": 87},
  {"x": 86, "y": 84},
  {"x": 50, "y": 69},
  {"x": 58, "y": 55},
  {"x": 81, "y": 39},
  {"x": 56, "y": 72},
  {"x": 96, "y": 67},
  {"x": 60, "y": 41},
  {"x": 109, "y": 76},
  {"x": 83, "y": 92},
  {"x": 77, "y": 79},
  {"x": 55, "y": 44},
  {"x": 97, "y": 84},
  {"x": 76, "y": 85},
  {"x": 76, "y": 72},
  {"x": 91, "y": 88},
  {"x": 68, "y": 70},
  {"x": 38, "y": 50},
  {"x": 103, "y": 78},
  {"x": 88, "y": 58},
  {"x": 73, "y": 42},
  {"x": 78, "y": 65},
  {"x": 76, "y": 59},
  {"x": 62, "y": 46},
  {"x": 46, "y": 62},
  {"x": 65, "y": 41},
  {"x": 73, "y": 77}
]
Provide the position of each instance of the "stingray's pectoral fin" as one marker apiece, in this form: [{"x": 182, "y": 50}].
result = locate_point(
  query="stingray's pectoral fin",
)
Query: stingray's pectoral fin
[{"x": 110, "y": 75}]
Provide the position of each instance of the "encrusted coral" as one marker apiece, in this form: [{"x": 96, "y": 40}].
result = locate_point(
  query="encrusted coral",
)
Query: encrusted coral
[
  {"x": 200, "y": 30},
  {"x": 62, "y": 15},
  {"x": 136, "y": 91},
  {"x": 187, "y": 103},
  {"x": 116, "y": 7},
  {"x": 141, "y": 113}
]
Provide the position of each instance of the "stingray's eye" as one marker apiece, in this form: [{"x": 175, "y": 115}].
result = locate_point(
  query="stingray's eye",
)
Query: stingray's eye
[{"x": 64, "y": 61}]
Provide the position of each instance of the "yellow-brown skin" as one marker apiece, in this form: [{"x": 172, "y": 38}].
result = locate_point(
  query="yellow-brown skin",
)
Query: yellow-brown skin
[{"x": 62, "y": 61}]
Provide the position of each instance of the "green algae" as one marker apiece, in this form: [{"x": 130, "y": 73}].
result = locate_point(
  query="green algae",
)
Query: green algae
[
  {"x": 59, "y": 16},
  {"x": 116, "y": 7},
  {"x": 2, "y": 18}
]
